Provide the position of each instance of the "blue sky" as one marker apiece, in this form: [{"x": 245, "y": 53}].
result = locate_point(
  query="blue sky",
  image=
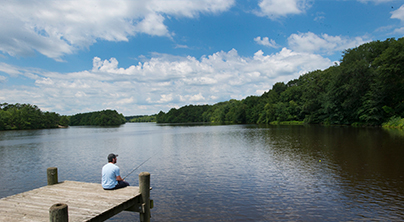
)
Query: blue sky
[{"x": 141, "y": 57}]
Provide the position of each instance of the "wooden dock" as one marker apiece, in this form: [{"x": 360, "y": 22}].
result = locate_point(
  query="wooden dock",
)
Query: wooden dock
[{"x": 85, "y": 202}]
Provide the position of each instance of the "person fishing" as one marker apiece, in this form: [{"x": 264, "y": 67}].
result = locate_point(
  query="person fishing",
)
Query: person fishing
[{"x": 111, "y": 177}]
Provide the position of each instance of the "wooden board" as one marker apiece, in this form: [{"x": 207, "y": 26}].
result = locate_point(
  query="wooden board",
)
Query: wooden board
[{"x": 85, "y": 201}]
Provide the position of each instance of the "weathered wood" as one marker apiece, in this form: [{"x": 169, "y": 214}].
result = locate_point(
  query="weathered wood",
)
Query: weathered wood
[
  {"x": 52, "y": 173},
  {"x": 144, "y": 189},
  {"x": 58, "y": 213},
  {"x": 86, "y": 202}
]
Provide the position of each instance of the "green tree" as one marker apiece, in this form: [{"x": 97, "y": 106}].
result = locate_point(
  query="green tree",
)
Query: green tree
[
  {"x": 25, "y": 116},
  {"x": 253, "y": 107},
  {"x": 387, "y": 87},
  {"x": 64, "y": 121},
  {"x": 99, "y": 118}
]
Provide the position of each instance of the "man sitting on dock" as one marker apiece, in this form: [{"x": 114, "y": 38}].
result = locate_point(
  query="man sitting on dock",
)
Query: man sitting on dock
[{"x": 111, "y": 177}]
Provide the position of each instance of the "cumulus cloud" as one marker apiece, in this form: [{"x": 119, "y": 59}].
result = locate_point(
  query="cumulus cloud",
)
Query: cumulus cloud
[
  {"x": 266, "y": 42},
  {"x": 398, "y": 14},
  {"x": 399, "y": 30},
  {"x": 161, "y": 82},
  {"x": 274, "y": 9},
  {"x": 324, "y": 44},
  {"x": 56, "y": 28}
]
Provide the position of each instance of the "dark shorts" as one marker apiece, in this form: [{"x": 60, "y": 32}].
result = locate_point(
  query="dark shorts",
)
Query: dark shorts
[{"x": 121, "y": 184}]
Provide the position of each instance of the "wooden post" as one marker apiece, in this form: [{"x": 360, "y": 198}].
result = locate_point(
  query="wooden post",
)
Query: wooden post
[
  {"x": 58, "y": 213},
  {"x": 144, "y": 189},
  {"x": 52, "y": 173}
]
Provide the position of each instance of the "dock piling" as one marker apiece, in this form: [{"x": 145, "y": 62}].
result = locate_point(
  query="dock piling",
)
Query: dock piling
[
  {"x": 52, "y": 173},
  {"x": 144, "y": 190},
  {"x": 58, "y": 213}
]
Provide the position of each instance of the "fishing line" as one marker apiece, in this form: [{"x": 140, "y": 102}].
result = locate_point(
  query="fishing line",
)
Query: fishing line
[{"x": 137, "y": 167}]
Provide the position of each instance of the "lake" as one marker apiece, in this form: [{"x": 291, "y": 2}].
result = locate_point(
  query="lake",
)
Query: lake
[{"x": 225, "y": 172}]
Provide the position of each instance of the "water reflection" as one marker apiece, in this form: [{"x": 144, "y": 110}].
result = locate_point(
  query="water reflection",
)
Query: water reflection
[
  {"x": 394, "y": 132},
  {"x": 361, "y": 166}
]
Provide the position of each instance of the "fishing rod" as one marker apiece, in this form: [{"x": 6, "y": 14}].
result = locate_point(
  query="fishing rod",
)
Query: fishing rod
[{"x": 137, "y": 167}]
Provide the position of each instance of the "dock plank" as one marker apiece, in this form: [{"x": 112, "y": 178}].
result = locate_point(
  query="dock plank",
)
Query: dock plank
[{"x": 86, "y": 202}]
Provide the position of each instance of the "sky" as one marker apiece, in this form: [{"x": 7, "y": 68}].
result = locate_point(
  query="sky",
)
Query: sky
[{"x": 142, "y": 57}]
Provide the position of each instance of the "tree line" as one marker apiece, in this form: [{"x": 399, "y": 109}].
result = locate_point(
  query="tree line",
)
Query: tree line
[
  {"x": 25, "y": 116},
  {"x": 99, "y": 118},
  {"x": 365, "y": 88},
  {"x": 141, "y": 118}
]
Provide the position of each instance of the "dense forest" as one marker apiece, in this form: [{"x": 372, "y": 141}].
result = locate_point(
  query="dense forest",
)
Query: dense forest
[
  {"x": 141, "y": 119},
  {"x": 366, "y": 88},
  {"x": 99, "y": 118},
  {"x": 26, "y": 116}
]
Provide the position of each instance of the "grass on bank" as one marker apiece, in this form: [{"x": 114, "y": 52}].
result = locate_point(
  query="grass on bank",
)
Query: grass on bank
[{"x": 395, "y": 122}]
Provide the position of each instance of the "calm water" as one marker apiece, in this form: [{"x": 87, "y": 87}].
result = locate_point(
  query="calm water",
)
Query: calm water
[{"x": 225, "y": 173}]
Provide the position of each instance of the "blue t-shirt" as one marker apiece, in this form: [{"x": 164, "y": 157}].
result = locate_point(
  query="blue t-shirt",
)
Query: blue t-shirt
[{"x": 109, "y": 173}]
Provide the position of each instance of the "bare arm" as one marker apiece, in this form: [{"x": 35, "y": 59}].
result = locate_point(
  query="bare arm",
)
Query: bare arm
[{"x": 119, "y": 178}]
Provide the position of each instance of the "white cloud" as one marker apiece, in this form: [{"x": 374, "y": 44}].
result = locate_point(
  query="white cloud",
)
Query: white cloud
[
  {"x": 266, "y": 42},
  {"x": 192, "y": 98},
  {"x": 159, "y": 83},
  {"x": 384, "y": 28},
  {"x": 399, "y": 30},
  {"x": 398, "y": 14},
  {"x": 394, "y": 29},
  {"x": 9, "y": 69},
  {"x": 178, "y": 46},
  {"x": 274, "y": 9},
  {"x": 56, "y": 28},
  {"x": 125, "y": 101},
  {"x": 80, "y": 94},
  {"x": 325, "y": 44},
  {"x": 163, "y": 99},
  {"x": 44, "y": 81},
  {"x": 152, "y": 24}
]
